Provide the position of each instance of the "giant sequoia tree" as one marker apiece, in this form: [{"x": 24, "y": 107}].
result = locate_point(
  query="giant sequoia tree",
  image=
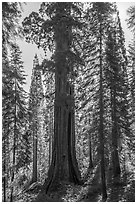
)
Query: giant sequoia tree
[{"x": 58, "y": 31}]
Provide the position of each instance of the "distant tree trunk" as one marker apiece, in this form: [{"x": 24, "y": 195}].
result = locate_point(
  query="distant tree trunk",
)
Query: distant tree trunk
[
  {"x": 64, "y": 166},
  {"x": 101, "y": 128},
  {"x": 50, "y": 136},
  {"x": 14, "y": 147},
  {"x": 90, "y": 148},
  {"x": 34, "y": 178},
  {"x": 36, "y": 95},
  {"x": 133, "y": 83},
  {"x": 49, "y": 149},
  {"x": 90, "y": 153},
  {"x": 34, "y": 175},
  {"x": 115, "y": 155},
  {"x": 4, "y": 170},
  {"x": 6, "y": 161},
  {"x": 115, "y": 132},
  {"x": 13, "y": 173}
]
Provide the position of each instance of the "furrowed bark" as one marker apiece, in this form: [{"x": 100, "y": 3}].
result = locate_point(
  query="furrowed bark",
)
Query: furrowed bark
[
  {"x": 101, "y": 128},
  {"x": 64, "y": 165},
  {"x": 115, "y": 155}
]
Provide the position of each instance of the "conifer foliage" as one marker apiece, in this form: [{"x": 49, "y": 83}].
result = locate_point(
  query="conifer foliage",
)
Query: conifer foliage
[
  {"x": 14, "y": 113},
  {"x": 10, "y": 22},
  {"x": 131, "y": 73}
]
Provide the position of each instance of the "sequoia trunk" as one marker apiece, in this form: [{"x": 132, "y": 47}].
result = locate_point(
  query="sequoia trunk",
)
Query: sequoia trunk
[
  {"x": 101, "y": 126},
  {"x": 4, "y": 169},
  {"x": 64, "y": 166}
]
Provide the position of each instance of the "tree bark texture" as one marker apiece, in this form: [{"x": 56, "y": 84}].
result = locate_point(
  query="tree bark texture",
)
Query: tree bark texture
[
  {"x": 90, "y": 154},
  {"x": 13, "y": 173},
  {"x": 64, "y": 165},
  {"x": 115, "y": 155},
  {"x": 4, "y": 170},
  {"x": 6, "y": 161},
  {"x": 34, "y": 177},
  {"x": 35, "y": 131},
  {"x": 115, "y": 131},
  {"x": 101, "y": 128},
  {"x": 14, "y": 146},
  {"x": 50, "y": 135}
]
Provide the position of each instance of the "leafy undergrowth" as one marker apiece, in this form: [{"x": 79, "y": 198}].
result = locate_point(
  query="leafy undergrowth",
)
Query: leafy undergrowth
[
  {"x": 29, "y": 194},
  {"x": 90, "y": 191},
  {"x": 72, "y": 193},
  {"x": 122, "y": 191}
]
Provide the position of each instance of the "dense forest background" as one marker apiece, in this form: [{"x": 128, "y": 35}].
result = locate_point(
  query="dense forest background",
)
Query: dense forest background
[{"x": 72, "y": 137}]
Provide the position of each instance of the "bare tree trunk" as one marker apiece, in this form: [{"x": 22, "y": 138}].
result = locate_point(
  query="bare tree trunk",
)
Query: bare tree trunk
[
  {"x": 6, "y": 162},
  {"x": 13, "y": 173},
  {"x": 34, "y": 179},
  {"x": 34, "y": 175},
  {"x": 64, "y": 165},
  {"x": 4, "y": 169},
  {"x": 90, "y": 153},
  {"x": 49, "y": 149},
  {"x": 50, "y": 136},
  {"x": 14, "y": 147},
  {"x": 101, "y": 128},
  {"x": 115, "y": 155}
]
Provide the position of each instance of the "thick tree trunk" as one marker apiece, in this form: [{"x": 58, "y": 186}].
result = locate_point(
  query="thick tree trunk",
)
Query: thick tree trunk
[
  {"x": 101, "y": 126},
  {"x": 64, "y": 166},
  {"x": 4, "y": 170},
  {"x": 115, "y": 155}
]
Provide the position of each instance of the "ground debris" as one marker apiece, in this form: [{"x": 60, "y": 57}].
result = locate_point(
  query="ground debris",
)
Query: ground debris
[
  {"x": 90, "y": 191},
  {"x": 124, "y": 191}
]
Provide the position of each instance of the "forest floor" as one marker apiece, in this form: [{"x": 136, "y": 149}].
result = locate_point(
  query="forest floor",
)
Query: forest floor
[{"x": 90, "y": 191}]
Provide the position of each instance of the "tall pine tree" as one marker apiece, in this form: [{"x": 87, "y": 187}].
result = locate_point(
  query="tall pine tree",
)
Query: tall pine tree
[
  {"x": 14, "y": 108},
  {"x": 10, "y": 28},
  {"x": 35, "y": 98},
  {"x": 98, "y": 18}
]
